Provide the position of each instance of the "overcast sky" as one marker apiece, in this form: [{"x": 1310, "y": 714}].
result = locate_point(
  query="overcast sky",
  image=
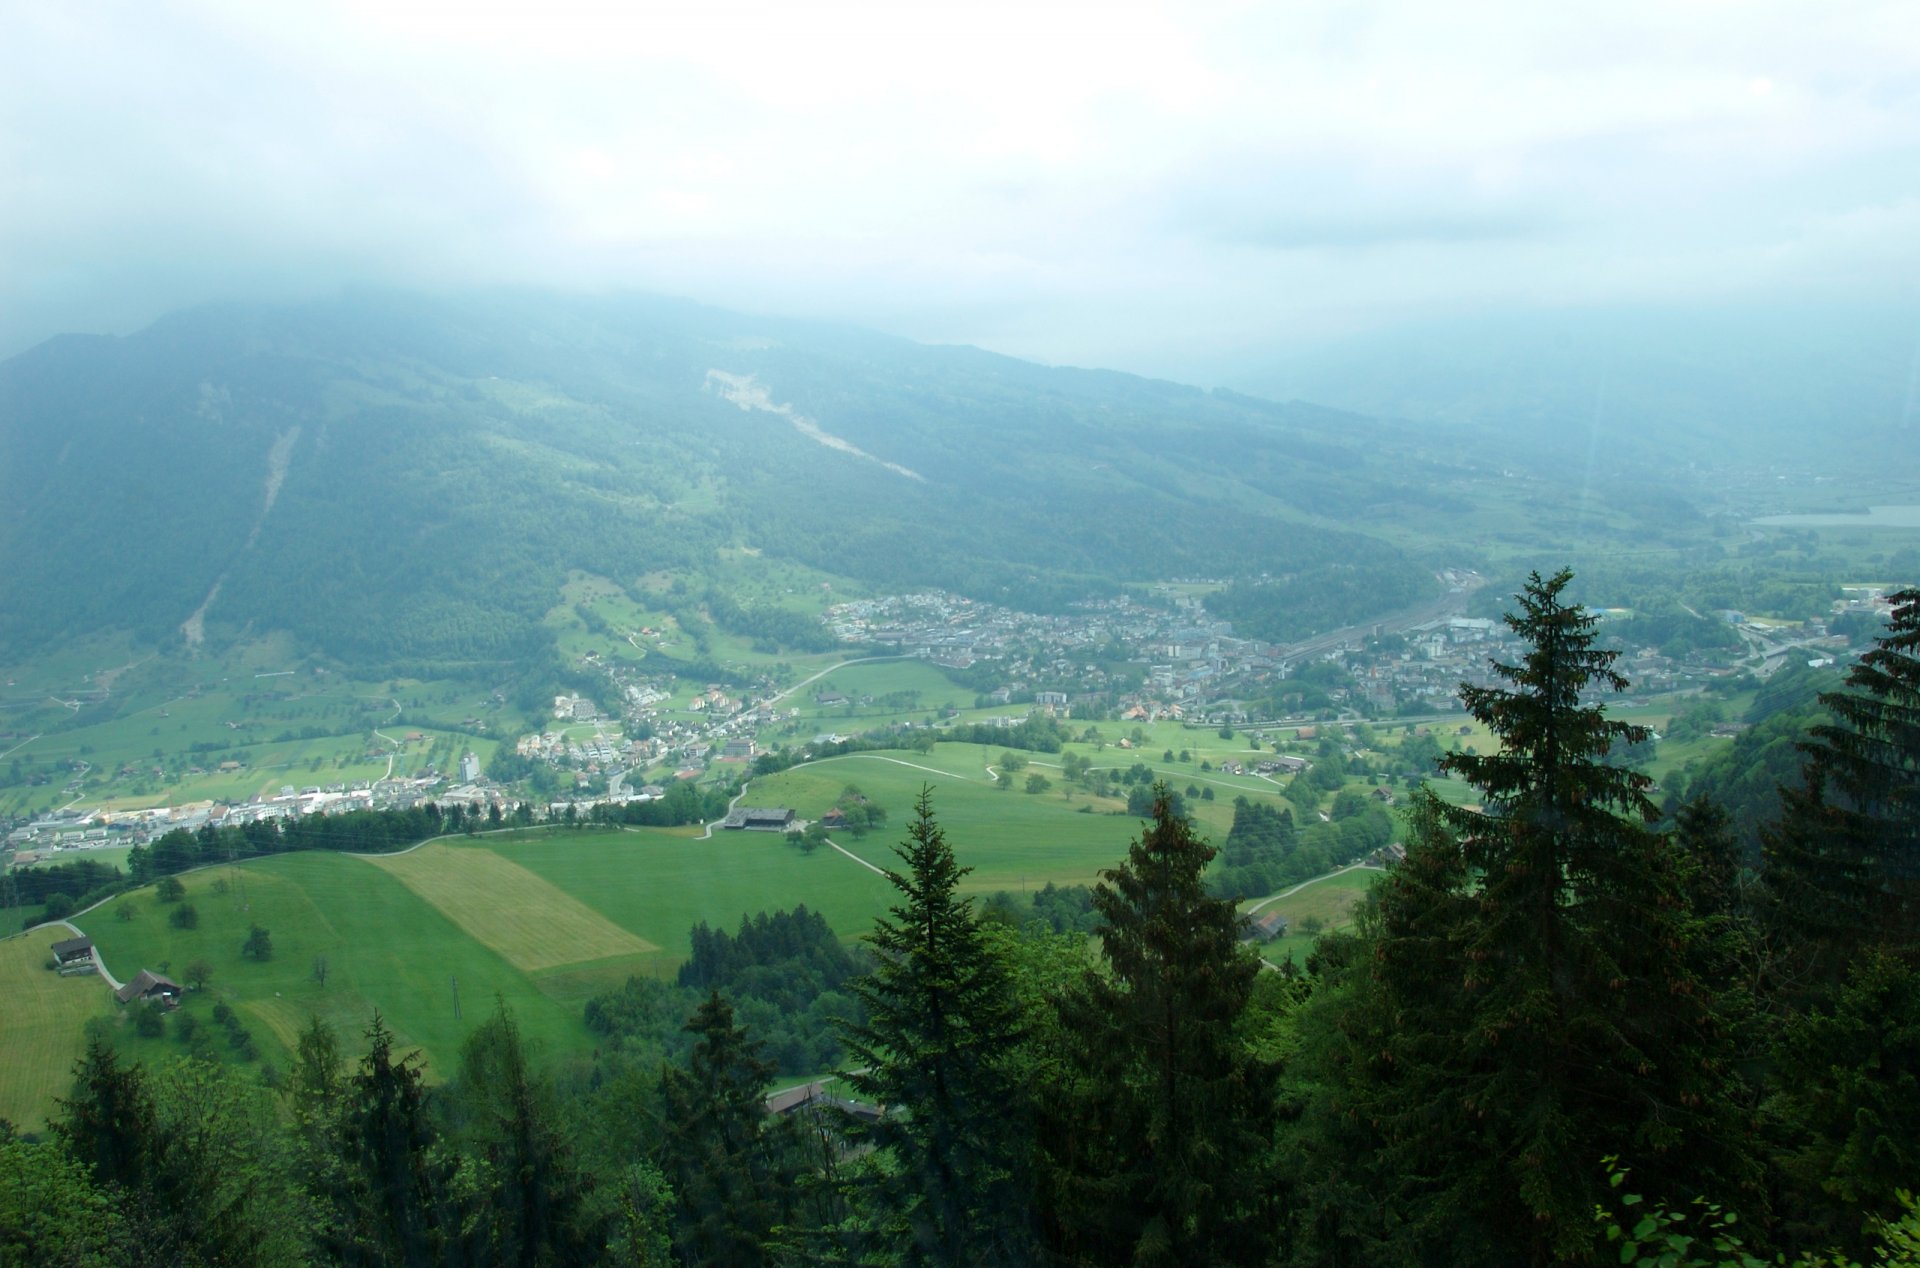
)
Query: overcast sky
[{"x": 1156, "y": 187}]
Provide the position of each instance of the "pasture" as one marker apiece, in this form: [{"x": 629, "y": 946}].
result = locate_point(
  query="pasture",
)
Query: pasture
[
  {"x": 42, "y": 1026},
  {"x": 383, "y": 946},
  {"x": 1329, "y": 899},
  {"x": 501, "y": 905}
]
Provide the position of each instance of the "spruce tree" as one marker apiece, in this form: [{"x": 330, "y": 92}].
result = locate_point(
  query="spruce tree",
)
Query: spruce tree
[
  {"x": 389, "y": 1198},
  {"x": 1157, "y": 1148},
  {"x": 1535, "y": 1000},
  {"x": 940, "y": 1027},
  {"x": 1843, "y": 878},
  {"x": 505, "y": 1115},
  {"x": 1843, "y": 865},
  {"x": 721, "y": 1154}
]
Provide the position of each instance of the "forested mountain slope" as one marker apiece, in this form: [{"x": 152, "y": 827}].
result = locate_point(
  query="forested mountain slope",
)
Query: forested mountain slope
[{"x": 395, "y": 477}]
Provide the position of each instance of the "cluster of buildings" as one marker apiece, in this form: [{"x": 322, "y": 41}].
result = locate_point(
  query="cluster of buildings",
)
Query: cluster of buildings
[{"x": 73, "y": 829}]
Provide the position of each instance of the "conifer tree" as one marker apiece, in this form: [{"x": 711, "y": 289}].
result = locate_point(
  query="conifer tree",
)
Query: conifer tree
[
  {"x": 1157, "y": 1150},
  {"x": 1843, "y": 878},
  {"x": 389, "y": 1198},
  {"x": 1534, "y": 1002},
  {"x": 941, "y": 1025},
  {"x": 506, "y": 1117},
  {"x": 1843, "y": 865},
  {"x": 720, "y": 1152}
]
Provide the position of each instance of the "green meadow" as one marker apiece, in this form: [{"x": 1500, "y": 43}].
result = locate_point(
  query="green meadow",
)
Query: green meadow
[
  {"x": 542, "y": 920},
  {"x": 42, "y": 1026}
]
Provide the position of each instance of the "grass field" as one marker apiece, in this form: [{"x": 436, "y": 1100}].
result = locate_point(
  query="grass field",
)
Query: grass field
[
  {"x": 503, "y": 906},
  {"x": 385, "y": 948},
  {"x": 1330, "y": 899},
  {"x": 41, "y": 1027},
  {"x": 544, "y": 920}
]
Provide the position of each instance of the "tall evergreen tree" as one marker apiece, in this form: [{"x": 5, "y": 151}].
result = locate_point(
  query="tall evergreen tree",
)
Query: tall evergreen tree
[
  {"x": 725, "y": 1159},
  {"x": 505, "y": 1116},
  {"x": 388, "y": 1201},
  {"x": 1157, "y": 1150},
  {"x": 941, "y": 1025},
  {"x": 1535, "y": 1001},
  {"x": 1843, "y": 878},
  {"x": 1844, "y": 862}
]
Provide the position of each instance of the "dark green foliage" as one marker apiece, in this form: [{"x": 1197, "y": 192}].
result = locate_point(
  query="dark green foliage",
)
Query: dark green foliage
[
  {"x": 53, "y": 1214},
  {"x": 504, "y": 1115},
  {"x": 730, "y": 1165},
  {"x": 941, "y": 1024},
  {"x": 784, "y": 974},
  {"x": 1746, "y": 776},
  {"x": 1531, "y": 999},
  {"x": 191, "y": 1158},
  {"x": 1157, "y": 1144},
  {"x": 28, "y": 886},
  {"x": 1845, "y": 862},
  {"x": 1036, "y": 734},
  {"x": 1847, "y": 1102},
  {"x": 259, "y": 944},
  {"x": 388, "y": 1203},
  {"x": 185, "y": 916},
  {"x": 1320, "y": 598},
  {"x": 1257, "y": 849},
  {"x": 1265, "y": 853},
  {"x": 1843, "y": 877}
]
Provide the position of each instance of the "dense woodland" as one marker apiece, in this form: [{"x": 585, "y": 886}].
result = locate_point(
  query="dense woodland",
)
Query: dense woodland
[{"x": 1566, "y": 1028}]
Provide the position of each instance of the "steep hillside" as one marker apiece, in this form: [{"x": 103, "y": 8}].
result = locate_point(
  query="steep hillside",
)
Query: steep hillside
[{"x": 394, "y": 478}]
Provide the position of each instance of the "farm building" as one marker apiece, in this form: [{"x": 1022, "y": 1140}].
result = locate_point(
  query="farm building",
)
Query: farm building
[
  {"x": 75, "y": 955},
  {"x": 760, "y": 819},
  {"x": 1266, "y": 927},
  {"x": 152, "y": 987}
]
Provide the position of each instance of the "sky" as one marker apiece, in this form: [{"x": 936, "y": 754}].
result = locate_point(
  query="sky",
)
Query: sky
[{"x": 1165, "y": 188}]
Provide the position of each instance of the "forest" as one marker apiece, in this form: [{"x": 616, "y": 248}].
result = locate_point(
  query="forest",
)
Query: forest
[{"x": 1568, "y": 1027}]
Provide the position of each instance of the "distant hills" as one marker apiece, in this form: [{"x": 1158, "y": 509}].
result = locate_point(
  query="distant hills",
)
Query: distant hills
[
  {"x": 393, "y": 478},
  {"x": 398, "y": 480}
]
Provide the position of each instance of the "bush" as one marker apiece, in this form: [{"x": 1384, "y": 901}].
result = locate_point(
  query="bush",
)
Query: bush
[{"x": 148, "y": 1024}]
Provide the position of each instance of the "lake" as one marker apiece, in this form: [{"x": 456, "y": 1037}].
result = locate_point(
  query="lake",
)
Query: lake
[{"x": 1875, "y": 517}]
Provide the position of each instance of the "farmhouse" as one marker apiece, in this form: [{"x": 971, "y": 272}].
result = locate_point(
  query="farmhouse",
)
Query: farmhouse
[
  {"x": 1266, "y": 927},
  {"x": 814, "y": 1097},
  {"x": 760, "y": 819},
  {"x": 75, "y": 955},
  {"x": 152, "y": 987}
]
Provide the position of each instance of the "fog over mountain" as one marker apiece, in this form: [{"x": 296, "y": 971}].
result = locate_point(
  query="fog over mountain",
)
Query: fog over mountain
[{"x": 1205, "y": 192}]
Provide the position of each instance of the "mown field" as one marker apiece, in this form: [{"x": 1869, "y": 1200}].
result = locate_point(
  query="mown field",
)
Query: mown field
[{"x": 41, "y": 1027}]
